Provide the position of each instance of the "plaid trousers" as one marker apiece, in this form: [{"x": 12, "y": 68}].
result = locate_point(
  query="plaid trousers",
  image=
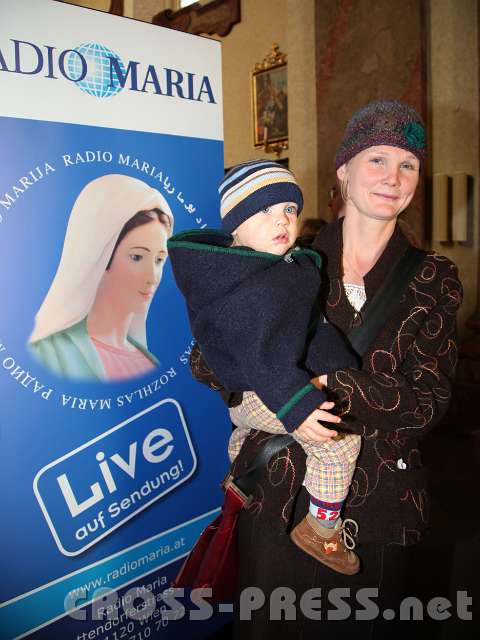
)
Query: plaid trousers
[{"x": 330, "y": 465}]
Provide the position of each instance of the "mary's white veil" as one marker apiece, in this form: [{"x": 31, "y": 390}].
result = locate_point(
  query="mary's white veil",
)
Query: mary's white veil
[{"x": 102, "y": 208}]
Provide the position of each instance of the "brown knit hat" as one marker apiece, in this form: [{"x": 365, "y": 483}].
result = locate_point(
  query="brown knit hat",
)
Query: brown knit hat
[{"x": 388, "y": 122}]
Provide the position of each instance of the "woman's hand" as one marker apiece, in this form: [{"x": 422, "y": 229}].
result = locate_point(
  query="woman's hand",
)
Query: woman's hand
[{"x": 312, "y": 430}]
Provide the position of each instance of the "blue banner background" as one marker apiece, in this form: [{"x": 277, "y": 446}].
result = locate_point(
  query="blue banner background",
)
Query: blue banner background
[{"x": 37, "y": 431}]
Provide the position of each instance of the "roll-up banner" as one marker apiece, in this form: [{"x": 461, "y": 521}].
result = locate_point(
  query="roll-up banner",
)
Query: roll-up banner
[{"x": 111, "y": 454}]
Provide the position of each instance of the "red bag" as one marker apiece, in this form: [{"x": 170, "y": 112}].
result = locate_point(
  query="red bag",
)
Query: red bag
[{"x": 213, "y": 560}]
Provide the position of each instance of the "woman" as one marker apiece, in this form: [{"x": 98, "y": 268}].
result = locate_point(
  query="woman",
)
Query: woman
[
  {"x": 91, "y": 324},
  {"x": 401, "y": 392}
]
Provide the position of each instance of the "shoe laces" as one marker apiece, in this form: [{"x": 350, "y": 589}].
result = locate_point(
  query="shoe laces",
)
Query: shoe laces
[{"x": 348, "y": 531}]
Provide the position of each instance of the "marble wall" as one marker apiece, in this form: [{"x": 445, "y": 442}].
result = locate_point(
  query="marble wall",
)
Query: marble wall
[{"x": 366, "y": 50}]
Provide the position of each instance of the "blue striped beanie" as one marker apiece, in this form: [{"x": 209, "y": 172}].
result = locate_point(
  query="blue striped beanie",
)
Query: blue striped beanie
[{"x": 250, "y": 187}]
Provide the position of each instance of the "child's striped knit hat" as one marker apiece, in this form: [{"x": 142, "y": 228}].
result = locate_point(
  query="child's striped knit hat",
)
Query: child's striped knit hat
[
  {"x": 250, "y": 187},
  {"x": 388, "y": 122}
]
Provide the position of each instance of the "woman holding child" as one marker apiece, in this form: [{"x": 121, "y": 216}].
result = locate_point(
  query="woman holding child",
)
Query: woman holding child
[{"x": 400, "y": 392}]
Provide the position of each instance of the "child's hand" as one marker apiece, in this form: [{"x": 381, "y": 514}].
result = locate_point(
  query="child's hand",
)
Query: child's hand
[
  {"x": 320, "y": 382},
  {"x": 312, "y": 430}
]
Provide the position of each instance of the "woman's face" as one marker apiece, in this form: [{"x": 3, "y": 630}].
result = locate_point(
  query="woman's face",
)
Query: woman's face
[
  {"x": 136, "y": 269},
  {"x": 381, "y": 181}
]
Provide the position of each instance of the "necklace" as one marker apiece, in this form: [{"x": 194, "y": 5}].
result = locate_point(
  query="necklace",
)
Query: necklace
[{"x": 348, "y": 266}]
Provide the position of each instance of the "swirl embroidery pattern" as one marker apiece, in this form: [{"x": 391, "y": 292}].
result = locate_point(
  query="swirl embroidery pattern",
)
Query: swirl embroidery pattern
[
  {"x": 402, "y": 392},
  {"x": 404, "y": 387}
]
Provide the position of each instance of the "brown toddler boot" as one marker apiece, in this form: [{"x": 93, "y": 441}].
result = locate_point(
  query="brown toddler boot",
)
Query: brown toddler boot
[{"x": 331, "y": 547}]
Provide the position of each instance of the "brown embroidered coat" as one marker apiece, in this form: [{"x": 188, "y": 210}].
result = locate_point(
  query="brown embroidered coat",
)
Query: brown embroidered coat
[{"x": 402, "y": 392}]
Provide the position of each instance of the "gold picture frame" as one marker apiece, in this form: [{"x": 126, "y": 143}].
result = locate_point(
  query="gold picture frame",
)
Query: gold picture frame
[{"x": 270, "y": 102}]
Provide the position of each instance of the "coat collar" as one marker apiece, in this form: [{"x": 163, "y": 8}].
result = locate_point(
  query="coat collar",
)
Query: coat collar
[{"x": 207, "y": 267}]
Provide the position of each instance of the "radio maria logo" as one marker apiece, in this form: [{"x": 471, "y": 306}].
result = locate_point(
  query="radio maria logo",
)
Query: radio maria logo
[
  {"x": 98, "y": 81},
  {"x": 100, "y": 72}
]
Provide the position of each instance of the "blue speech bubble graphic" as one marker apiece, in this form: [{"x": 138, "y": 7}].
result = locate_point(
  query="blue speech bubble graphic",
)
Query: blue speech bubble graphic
[{"x": 89, "y": 492}]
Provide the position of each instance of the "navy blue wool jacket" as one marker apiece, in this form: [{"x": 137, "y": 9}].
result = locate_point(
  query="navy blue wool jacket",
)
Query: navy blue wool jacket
[{"x": 254, "y": 317}]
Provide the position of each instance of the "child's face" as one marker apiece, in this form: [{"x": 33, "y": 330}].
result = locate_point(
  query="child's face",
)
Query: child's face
[{"x": 274, "y": 229}]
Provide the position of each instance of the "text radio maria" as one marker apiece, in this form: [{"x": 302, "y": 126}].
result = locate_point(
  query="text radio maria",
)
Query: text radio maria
[{"x": 136, "y": 77}]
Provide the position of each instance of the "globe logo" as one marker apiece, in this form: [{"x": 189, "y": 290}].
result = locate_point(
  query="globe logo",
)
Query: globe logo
[{"x": 97, "y": 82}]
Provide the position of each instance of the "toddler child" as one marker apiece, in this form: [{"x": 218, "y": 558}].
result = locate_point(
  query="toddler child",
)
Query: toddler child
[{"x": 252, "y": 299}]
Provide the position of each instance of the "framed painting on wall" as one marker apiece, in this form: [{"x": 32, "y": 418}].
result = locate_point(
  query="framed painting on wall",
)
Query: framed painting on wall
[{"x": 270, "y": 100}]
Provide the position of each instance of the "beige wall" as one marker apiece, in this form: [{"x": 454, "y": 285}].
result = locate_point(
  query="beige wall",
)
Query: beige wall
[
  {"x": 302, "y": 101},
  {"x": 262, "y": 24},
  {"x": 104, "y": 5},
  {"x": 146, "y": 9},
  {"x": 453, "y": 72},
  {"x": 291, "y": 25}
]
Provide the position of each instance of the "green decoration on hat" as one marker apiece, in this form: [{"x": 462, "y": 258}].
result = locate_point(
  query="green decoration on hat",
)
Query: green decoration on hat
[{"x": 415, "y": 134}]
